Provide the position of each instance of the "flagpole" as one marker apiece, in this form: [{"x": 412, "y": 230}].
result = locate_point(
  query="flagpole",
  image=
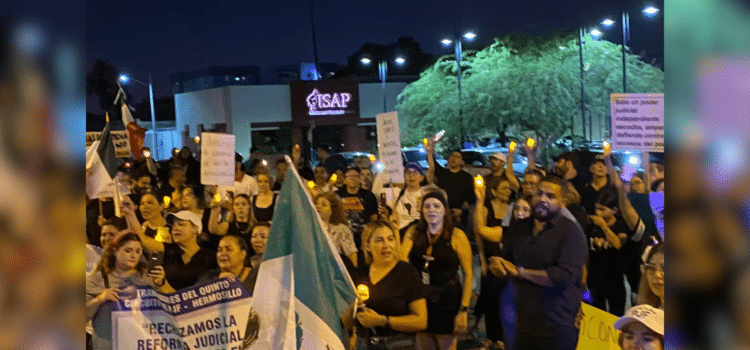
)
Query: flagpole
[{"x": 117, "y": 200}]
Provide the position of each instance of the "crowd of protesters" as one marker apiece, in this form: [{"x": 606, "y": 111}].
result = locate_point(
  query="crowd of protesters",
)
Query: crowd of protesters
[{"x": 554, "y": 234}]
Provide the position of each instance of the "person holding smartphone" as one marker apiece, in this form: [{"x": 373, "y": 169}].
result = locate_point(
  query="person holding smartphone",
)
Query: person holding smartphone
[
  {"x": 184, "y": 259},
  {"x": 118, "y": 272}
]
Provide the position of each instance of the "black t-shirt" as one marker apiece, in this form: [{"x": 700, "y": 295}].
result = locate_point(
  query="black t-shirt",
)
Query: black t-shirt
[
  {"x": 589, "y": 195},
  {"x": 334, "y": 162},
  {"x": 360, "y": 206},
  {"x": 243, "y": 230},
  {"x": 606, "y": 261},
  {"x": 181, "y": 275},
  {"x": 392, "y": 295},
  {"x": 458, "y": 186}
]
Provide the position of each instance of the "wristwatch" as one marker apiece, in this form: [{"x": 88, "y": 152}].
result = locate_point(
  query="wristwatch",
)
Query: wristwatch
[{"x": 463, "y": 309}]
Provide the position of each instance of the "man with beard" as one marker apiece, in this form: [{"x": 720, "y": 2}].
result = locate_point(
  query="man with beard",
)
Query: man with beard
[
  {"x": 545, "y": 256},
  {"x": 566, "y": 167}
]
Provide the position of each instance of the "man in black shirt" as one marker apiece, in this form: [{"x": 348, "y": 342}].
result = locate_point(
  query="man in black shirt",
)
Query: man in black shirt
[
  {"x": 360, "y": 204},
  {"x": 456, "y": 182},
  {"x": 545, "y": 256},
  {"x": 281, "y": 168},
  {"x": 566, "y": 167},
  {"x": 599, "y": 182},
  {"x": 330, "y": 161}
]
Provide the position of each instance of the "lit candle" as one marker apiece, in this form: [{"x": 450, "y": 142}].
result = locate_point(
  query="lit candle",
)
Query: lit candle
[{"x": 363, "y": 292}]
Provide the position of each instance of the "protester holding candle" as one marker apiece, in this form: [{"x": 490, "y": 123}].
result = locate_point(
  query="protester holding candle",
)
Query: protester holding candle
[{"x": 394, "y": 308}]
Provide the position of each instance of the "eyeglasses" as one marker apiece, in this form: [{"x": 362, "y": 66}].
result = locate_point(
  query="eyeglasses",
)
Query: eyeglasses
[{"x": 653, "y": 268}]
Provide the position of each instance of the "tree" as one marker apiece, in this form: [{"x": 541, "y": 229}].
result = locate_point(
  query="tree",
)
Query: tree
[
  {"x": 406, "y": 47},
  {"x": 101, "y": 81},
  {"x": 530, "y": 83}
]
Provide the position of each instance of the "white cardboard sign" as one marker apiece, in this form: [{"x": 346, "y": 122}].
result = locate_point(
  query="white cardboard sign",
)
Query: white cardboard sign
[
  {"x": 389, "y": 143},
  {"x": 217, "y": 159}
]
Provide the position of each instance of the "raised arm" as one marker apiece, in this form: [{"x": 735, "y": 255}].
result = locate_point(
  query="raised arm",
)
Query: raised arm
[
  {"x": 214, "y": 226},
  {"x": 150, "y": 244},
  {"x": 492, "y": 234},
  {"x": 407, "y": 243},
  {"x": 463, "y": 249},
  {"x": 627, "y": 211},
  {"x": 515, "y": 185}
]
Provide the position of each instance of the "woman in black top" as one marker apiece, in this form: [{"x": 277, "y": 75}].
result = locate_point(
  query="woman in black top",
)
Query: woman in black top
[
  {"x": 239, "y": 223},
  {"x": 394, "y": 309},
  {"x": 233, "y": 258},
  {"x": 193, "y": 200},
  {"x": 265, "y": 201},
  {"x": 154, "y": 225},
  {"x": 607, "y": 235},
  {"x": 184, "y": 260},
  {"x": 488, "y": 224},
  {"x": 437, "y": 249}
]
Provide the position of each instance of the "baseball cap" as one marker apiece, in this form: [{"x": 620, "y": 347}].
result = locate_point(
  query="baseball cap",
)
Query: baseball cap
[
  {"x": 648, "y": 315},
  {"x": 189, "y": 216},
  {"x": 500, "y": 156},
  {"x": 598, "y": 158},
  {"x": 413, "y": 166}
]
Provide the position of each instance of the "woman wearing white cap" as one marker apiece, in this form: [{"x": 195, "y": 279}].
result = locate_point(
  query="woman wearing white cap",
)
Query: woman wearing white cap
[
  {"x": 184, "y": 260},
  {"x": 642, "y": 328}
]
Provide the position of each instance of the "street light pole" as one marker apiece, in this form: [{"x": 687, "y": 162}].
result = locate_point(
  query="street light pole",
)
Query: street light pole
[
  {"x": 383, "y": 73},
  {"x": 124, "y": 78},
  {"x": 625, "y": 28},
  {"x": 460, "y": 116},
  {"x": 153, "y": 116},
  {"x": 580, "y": 55}
]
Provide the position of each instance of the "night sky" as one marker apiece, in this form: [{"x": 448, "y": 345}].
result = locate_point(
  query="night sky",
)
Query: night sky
[{"x": 162, "y": 37}]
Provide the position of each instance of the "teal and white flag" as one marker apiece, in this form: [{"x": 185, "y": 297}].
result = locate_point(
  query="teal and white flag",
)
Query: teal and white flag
[{"x": 303, "y": 287}]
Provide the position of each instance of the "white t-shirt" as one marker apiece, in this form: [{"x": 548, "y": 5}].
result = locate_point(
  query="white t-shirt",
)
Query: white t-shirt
[
  {"x": 248, "y": 186},
  {"x": 409, "y": 206}
]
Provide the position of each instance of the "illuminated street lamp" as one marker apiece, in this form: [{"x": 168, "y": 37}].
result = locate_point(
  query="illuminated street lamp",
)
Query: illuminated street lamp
[
  {"x": 383, "y": 73},
  {"x": 124, "y": 78},
  {"x": 650, "y": 11},
  {"x": 469, "y": 36}
]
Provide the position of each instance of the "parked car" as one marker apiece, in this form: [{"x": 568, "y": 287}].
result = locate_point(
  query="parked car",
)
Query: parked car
[
  {"x": 351, "y": 156},
  {"x": 477, "y": 162},
  {"x": 419, "y": 155}
]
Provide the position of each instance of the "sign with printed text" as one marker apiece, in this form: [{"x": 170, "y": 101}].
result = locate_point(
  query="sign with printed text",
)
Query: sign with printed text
[
  {"x": 637, "y": 121},
  {"x": 120, "y": 139},
  {"x": 597, "y": 329},
  {"x": 217, "y": 159},
  {"x": 389, "y": 146},
  {"x": 216, "y": 315}
]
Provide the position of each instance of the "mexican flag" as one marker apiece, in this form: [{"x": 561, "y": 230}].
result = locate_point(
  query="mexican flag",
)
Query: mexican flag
[
  {"x": 101, "y": 164},
  {"x": 303, "y": 287}
]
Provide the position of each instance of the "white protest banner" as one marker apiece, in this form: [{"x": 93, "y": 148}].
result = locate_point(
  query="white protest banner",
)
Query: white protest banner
[
  {"x": 389, "y": 146},
  {"x": 120, "y": 139},
  {"x": 637, "y": 121},
  {"x": 209, "y": 316},
  {"x": 217, "y": 159}
]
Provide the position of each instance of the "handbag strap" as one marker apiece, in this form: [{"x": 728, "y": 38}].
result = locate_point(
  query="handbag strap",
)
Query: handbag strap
[{"x": 106, "y": 279}]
